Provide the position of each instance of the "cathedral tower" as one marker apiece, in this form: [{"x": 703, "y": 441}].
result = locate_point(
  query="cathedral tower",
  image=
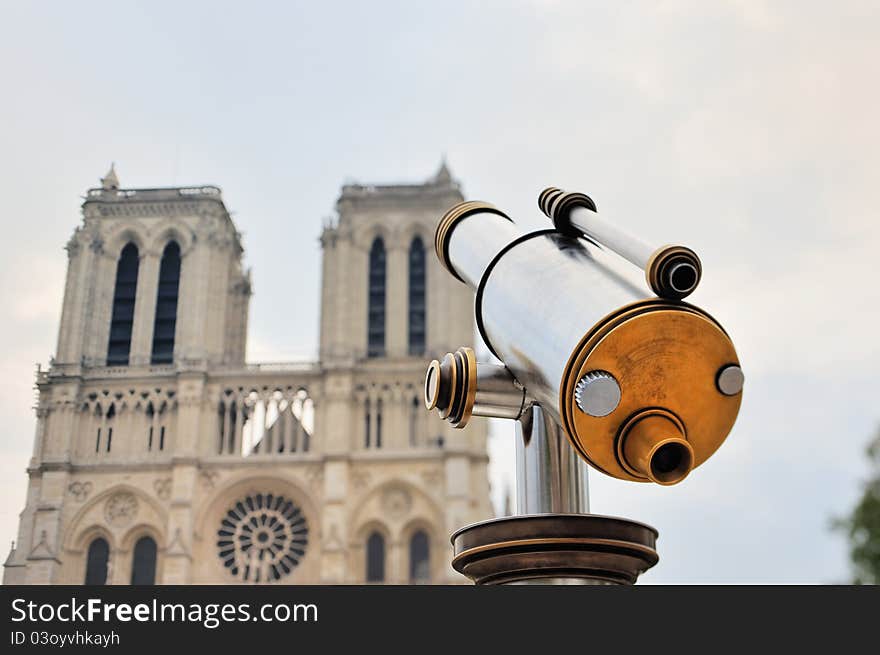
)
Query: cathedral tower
[{"x": 161, "y": 456}]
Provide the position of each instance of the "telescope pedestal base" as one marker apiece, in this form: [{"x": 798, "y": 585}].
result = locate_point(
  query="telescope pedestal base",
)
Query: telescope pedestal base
[{"x": 555, "y": 549}]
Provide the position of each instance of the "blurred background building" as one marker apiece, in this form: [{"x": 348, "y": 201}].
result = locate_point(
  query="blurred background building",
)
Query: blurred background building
[{"x": 162, "y": 456}]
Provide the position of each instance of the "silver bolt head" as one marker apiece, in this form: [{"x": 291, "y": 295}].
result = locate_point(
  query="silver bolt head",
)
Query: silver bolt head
[
  {"x": 730, "y": 380},
  {"x": 597, "y": 393}
]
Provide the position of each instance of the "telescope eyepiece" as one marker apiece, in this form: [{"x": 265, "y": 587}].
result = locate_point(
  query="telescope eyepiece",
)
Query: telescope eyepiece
[
  {"x": 671, "y": 462},
  {"x": 458, "y": 388},
  {"x": 653, "y": 446},
  {"x": 673, "y": 272},
  {"x": 432, "y": 385},
  {"x": 683, "y": 277}
]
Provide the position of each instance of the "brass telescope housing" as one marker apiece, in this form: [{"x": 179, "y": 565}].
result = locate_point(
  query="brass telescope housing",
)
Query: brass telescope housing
[{"x": 645, "y": 388}]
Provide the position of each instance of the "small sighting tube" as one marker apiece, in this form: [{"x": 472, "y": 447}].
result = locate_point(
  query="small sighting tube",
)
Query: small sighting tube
[
  {"x": 672, "y": 271},
  {"x": 630, "y": 247},
  {"x": 498, "y": 394},
  {"x": 458, "y": 388}
]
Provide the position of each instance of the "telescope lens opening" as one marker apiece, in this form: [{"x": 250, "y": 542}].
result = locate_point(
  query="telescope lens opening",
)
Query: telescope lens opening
[
  {"x": 671, "y": 463},
  {"x": 432, "y": 385},
  {"x": 683, "y": 277}
]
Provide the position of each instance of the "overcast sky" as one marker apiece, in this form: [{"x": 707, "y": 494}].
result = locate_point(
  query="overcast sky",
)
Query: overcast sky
[{"x": 747, "y": 130}]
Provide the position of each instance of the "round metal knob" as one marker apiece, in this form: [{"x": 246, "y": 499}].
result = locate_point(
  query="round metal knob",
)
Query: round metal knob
[
  {"x": 597, "y": 393},
  {"x": 730, "y": 380}
]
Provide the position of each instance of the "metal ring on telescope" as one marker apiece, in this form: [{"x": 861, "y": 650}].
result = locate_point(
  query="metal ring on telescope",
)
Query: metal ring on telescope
[
  {"x": 448, "y": 364},
  {"x": 659, "y": 273},
  {"x": 557, "y": 205},
  {"x": 448, "y": 223},
  {"x": 451, "y": 386},
  {"x": 478, "y": 298},
  {"x": 465, "y": 405}
]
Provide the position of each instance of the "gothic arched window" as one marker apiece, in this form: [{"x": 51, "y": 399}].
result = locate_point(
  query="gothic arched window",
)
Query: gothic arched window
[
  {"x": 96, "y": 562},
  {"x": 379, "y": 423},
  {"x": 414, "y": 413},
  {"x": 376, "y": 300},
  {"x": 111, "y": 414},
  {"x": 122, "y": 318},
  {"x": 417, "y": 307},
  {"x": 150, "y": 414},
  {"x": 367, "y": 418},
  {"x": 419, "y": 558},
  {"x": 376, "y": 558},
  {"x": 143, "y": 565},
  {"x": 166, "y": 305}
]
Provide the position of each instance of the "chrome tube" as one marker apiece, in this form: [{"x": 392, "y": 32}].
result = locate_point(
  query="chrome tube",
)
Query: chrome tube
[
  {"x": 550, "y": 478},
  {"x": 477, "y": 240},
  {"x": 612, "y": 237},
  {"x": 498, "y": 394},
  {"x": 534, "y": 322}
]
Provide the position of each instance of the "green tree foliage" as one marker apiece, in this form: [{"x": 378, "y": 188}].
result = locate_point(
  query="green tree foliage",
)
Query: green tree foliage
[{"x": 862, "y": 526}]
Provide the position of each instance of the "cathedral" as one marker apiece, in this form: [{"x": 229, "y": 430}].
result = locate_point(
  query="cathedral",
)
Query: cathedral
[{"x": 161, "y": 456}]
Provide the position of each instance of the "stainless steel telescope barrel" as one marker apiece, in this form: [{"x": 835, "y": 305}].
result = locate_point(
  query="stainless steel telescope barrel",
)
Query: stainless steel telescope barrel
[
  {"x": 672, "y": 271},
  {"x": 645, "y": 388}
]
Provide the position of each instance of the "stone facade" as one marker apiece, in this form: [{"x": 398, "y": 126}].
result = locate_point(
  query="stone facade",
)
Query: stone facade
[{"x": 237, "y": 472}]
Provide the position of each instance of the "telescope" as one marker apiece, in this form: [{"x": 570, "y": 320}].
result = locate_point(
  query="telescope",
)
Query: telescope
[{"x": 603, "y": 365}]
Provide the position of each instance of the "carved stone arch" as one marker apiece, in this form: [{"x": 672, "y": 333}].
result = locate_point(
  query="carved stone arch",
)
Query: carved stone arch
[
  {"x": 365, "y": 235},
  {"x": 376, "y": 504},
  {"x": 209, "y": 567},
  {"x": 436, "y": 551},
  {"x": 88, "y": 535},
  {"x": 131, "y": 399},
  {"x": 410, "y": 230},
  {"x": 75, "y": 561},
  {"x": 169, "y": 230},
  {"x": 357, "y": 550},
  {"x": 416, "y": 523},
  {"x": 394, "y": 504},
  {"x": 88, "y": 516},
  {"x": 121, "y": 234},
  {"x": 125, "y": 555},
  {"x": 360, "y": 535},
  {"x": 139, "y": 530}
]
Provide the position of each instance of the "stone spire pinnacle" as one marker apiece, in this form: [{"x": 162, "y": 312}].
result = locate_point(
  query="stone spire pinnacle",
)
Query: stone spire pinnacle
[
  {"x": 110, "y": 181},
  {"x": 442, "y": 176}
]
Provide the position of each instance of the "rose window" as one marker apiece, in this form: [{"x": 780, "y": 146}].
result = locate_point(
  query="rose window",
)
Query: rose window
[{"x": 262, "y": 538}]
